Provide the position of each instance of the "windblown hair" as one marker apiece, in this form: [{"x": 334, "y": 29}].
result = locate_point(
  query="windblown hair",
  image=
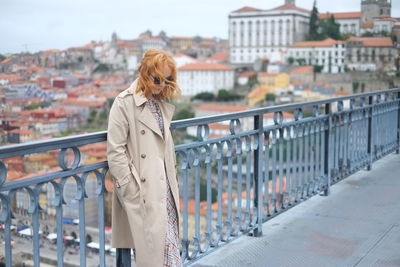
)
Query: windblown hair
[{"x": 153, "y": 63}]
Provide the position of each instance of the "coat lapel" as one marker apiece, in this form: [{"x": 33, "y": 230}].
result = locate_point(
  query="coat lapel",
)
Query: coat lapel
[
  {"x": 147, "y": 118},
  {"x": 167, "y": 111}
]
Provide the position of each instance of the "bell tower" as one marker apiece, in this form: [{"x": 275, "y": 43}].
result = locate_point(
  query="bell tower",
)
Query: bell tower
[{"x": 290, "y": 2}]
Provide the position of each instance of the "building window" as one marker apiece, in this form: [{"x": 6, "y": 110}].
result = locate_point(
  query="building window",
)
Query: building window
[
  {"x": 265, "y": 32},
  {"x": 258, "y": 32},
  {"x": 241, "y": 33},
  {"x": 250, "y": 29}
]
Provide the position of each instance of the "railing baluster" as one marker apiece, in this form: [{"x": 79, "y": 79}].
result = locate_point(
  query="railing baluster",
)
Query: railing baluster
[
  {"x": 398, "y": 123},
  {"x": 289, "y": 182},
  {"x": 35, "y": 224},
  {"x": 370, "y": 136},
  {"x": 258, "y": 125},
  {"x": 267, "y": 202},
  {"x": 239, "y": 156},
  {"x": 273, "y": 192},
  {"x": 100, "y": 191},
  {"x": 327, "y": 151}
]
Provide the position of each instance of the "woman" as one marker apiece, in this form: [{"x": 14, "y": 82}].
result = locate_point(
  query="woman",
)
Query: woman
[{"x": 141, "y": 157}]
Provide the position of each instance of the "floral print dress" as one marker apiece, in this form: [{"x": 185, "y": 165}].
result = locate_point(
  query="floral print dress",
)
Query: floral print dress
[{"x": 171, "y": 250}]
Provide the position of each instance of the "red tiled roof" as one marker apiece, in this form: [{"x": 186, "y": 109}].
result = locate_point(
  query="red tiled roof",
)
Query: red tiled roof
[
  {"x": 288, "y": 6},
  {"x": 9, "y": 76},
  {"x": 246, "y": 74},
  {"x": 327, "y": 42},
  {"x": 302, "y": 69},
  {"x": 247, "y": 9},
  {"x": 341, "y": 15},
  {"x": 341, "y": 93},
  {"x": 21, "y": 131},
  {"x": 220, "y": 56},
  {"x": 217, "y": 126},
  {"x": 6, "y": 60},
  {"x": 373, "y": 41},
  {"x": 205, "y": 66},
  {"x": 297, "y": 83}
]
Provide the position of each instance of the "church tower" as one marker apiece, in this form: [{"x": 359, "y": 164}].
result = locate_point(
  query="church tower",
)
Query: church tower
[
  {"x": 290, "y": 2},
  {"x": 375, "y": 8}
]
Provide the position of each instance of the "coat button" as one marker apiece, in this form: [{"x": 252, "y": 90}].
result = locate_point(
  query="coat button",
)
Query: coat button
[
  {"x": 143, "y": 156},
  {"x": 142, "y": 132},
  {"x": 144, "y": 201},
  {"x": 143, "y": 179}
]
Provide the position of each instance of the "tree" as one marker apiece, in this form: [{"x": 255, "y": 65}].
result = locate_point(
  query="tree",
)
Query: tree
[
  {"x": 313, "y": 33},
  {"x": 183, "y": 114},
  {"x": 252, "y": 81},
  {"x": 205, "y": 96},
  {"x": 330, "y": 29},
  {"x": 290, "y": 60},
  {"x": 225, "y": 95},
  {"x": 270, "y": 97},
  {"x": 301, "y": 61},
  {"x": 2, "y": 57},
  {"x": 101, "y": 68},
  {"x": 317, "y": 68}
]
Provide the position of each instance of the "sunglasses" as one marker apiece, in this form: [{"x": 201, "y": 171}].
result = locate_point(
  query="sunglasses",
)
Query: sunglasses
[{"x": 157, "y": 80}]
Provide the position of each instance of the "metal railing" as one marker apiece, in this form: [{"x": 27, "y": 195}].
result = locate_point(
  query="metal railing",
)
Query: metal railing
[{"x": 241, "y": 170}]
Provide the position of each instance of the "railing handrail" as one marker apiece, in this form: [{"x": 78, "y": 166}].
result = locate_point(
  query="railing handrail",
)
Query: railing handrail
[
  {"x": 253, "y": 112},
  {"x": 88, "y": 138}
]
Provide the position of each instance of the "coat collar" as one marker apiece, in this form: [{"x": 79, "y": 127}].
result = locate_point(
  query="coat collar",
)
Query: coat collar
[{"x": 146, "y": 117}]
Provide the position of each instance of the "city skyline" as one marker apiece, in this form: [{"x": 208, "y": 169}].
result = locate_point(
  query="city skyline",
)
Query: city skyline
[{"x": 59, "y": 25}]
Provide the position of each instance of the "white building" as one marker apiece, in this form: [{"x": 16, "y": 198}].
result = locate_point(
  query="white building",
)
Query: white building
[
  {"x": 182, "y": 59},
  {"x": 384, "y": 24},
  {"x": 328, "y": 53},
  {"x": 205, "y": 77},
  {"x": 153, "y": 42},
  {"x": 256, "y": 33},
  {"x": 370, "y": 54},
  {"x": 350, "y": 22}
]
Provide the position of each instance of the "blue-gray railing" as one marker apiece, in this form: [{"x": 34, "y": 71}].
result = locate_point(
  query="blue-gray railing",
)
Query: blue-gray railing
[{"x": 259, "y": 164}]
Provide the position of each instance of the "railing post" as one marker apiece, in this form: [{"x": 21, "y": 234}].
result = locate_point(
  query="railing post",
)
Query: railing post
[
  {"x": 258, "y": 173},
  {"x": 369, "y": 144},
  {"x": 123, "y": 257},
  {"x": 327, "y": 150},
  {"x": 398, "y": 124}
]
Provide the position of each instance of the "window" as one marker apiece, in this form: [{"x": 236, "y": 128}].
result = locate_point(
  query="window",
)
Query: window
[
  {"x": 241, "y": 33},
  {"x": 258, "y": 32},
  {"x": 265, "y": 32},
  {"x": 250, "y": 29}
]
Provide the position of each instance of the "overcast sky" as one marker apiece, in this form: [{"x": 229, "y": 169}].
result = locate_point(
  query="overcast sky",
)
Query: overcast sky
[{"x": 35, "y": 25}]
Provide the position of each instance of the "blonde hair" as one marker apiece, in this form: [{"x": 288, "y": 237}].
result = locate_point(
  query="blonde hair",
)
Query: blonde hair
[{"x": 153, "y": 63}]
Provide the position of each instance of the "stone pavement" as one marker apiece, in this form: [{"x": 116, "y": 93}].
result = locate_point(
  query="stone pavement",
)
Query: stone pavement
[{"x": 358, "y": 224}]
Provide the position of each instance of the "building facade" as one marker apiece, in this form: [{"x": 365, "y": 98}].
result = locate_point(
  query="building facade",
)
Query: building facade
[
  {"x": 350, "y": 22},
  {"x": 329, "y": 53},
  {"x": 370, "y": 54},
  {"x": 205, "y": 77},
  {"x": 256, "y": 33}
]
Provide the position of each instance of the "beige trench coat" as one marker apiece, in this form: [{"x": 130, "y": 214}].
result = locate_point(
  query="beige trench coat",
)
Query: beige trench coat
[{"x": 140, "y": 161}]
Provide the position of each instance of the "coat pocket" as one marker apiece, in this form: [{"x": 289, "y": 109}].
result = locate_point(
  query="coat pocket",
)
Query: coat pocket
[{"x": 127, "y": 188}]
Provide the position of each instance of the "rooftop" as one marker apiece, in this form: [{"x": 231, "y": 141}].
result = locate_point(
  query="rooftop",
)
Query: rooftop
[{"x": 341, "y": 15}]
